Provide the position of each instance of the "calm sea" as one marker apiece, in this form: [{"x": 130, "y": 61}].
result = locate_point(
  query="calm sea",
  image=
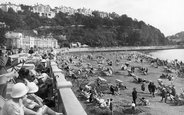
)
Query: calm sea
[{"x": 169, "y": 54}]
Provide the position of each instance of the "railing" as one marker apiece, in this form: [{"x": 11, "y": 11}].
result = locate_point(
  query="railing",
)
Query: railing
[{"x": 67, "y": 101}]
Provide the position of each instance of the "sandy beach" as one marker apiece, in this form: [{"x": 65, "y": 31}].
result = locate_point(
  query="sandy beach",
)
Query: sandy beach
[{"x": 122, "y": 102}]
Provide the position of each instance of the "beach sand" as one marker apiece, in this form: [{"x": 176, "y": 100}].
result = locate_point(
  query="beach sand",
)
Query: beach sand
[{"x": 122, "y": 102}]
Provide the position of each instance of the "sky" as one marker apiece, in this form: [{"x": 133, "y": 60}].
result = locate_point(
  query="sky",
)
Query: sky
[{"x": 166, "y": 15}]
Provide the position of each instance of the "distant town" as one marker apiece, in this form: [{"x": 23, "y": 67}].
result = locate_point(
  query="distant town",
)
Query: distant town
[
  {"x": 47, "y": 11},
  {"x": 29, "y": 38}
]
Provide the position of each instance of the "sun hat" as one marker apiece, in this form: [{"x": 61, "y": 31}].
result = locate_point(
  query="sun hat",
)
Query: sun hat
[
  {"x": 33, "y": 88},
  {"x": 19, "y": 90}
]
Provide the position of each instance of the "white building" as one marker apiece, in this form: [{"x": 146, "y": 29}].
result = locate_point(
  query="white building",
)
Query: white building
[
  {"x": 6, "y": 6},
  {"x": 29, "y": 38},
  {"x": 85, "y": 11},
  {"x": 43, "y": 10},
  {"x": 64, "y": 9}
]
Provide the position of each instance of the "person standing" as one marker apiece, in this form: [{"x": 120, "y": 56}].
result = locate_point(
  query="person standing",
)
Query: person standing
[
  {"x": 173, "y": 91},
  {"x": 143, "y": 86},
  {"x": 111, "y": 106},
  {"x": 149, "y": 88},
  {"x": 153, "y": 88},
  {"x": 112, "y": 90},
  {"x": 134, "y": 95},
  {"x": 164, "y": 94}
]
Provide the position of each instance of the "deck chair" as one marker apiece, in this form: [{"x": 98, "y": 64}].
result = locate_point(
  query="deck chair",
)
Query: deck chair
[{"x": 2, "y": 102}]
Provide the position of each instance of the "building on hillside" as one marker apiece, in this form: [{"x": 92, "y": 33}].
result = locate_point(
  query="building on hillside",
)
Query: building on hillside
[
  {"x": 13, "y": 39},
  {"x": 2, "y": 25},
  {"x": 75, "y": 45},
  {"x": 113, "y": 15},
  {"x": 64, "y": 9},
  {"x": 104, "y": 14},
  {"x": 47, "y": 42},
  {"x": 84, "y": 11},
  {"x": 43, "y": 10},
  {"x": 29, "y": 38},
  {"x": 6, "y": 6},
  {"x": 72, "y": 11}
]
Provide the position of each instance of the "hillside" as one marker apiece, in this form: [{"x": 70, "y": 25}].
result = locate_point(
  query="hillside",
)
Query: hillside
[
  {"x": 179, "y": 37},
  {"x": 91, "y": 30}
]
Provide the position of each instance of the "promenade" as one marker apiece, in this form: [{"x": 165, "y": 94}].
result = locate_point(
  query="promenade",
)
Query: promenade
[{"x": 106, "y": 49}]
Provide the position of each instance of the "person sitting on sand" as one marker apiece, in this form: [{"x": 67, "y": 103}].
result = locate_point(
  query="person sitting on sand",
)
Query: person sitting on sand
[
  {"x": 144, "y": 102},
  {"x": 145, "y": 72},
  {"x": 132, "y": 69}
]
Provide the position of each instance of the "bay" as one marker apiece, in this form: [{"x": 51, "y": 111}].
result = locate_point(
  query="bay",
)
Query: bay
[{"x": 170, "y": 55}]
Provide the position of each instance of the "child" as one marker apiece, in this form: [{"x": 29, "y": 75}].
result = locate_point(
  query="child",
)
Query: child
[{"x": 133, "y": 105}]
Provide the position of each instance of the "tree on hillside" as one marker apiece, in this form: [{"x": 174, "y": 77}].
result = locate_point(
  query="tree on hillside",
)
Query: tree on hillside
[
  {"x": 79, "y": 18},
  {"x": 61, "y": 19},
  {"x": 96, "y": 14},
  {"x": 107, "y": 22},
  {"x": 31, "y": 22},
  {"x": 13, "y": 20},
  {"x": 1, "y": 15},
  {"x": 2, "y": 36}
]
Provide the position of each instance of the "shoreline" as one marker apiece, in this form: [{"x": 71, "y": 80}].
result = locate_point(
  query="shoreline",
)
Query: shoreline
[{"x": 109, "y": 49}]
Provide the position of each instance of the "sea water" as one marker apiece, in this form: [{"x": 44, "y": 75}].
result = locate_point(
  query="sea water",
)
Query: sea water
[{"x": 171, "y": 54}]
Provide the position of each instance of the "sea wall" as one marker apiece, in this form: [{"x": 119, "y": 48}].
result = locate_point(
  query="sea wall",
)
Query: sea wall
[
  {"x": 105, "y": 49},
  {"x": 67, "y": 101}
]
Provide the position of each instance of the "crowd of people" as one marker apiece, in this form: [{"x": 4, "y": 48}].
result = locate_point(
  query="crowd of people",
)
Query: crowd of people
[
  {"x": 33, "y": 89},
  {"x": 84, "y": 64},
  {"x": 33, "y": 85}
]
